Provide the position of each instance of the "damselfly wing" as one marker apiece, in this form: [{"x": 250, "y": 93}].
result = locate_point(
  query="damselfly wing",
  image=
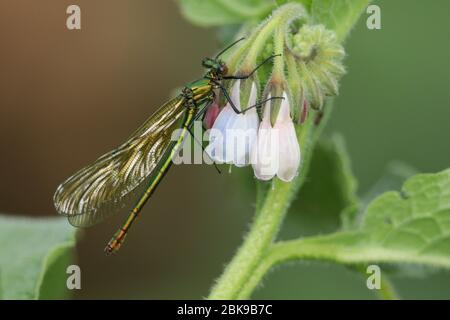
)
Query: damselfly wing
[{"x": 118, "y": 177}]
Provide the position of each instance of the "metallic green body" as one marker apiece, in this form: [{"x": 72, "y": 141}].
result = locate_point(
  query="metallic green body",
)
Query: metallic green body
[{"x": 194, "y": 95}]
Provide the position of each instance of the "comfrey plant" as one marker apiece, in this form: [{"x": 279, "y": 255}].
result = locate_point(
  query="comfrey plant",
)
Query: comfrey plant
[
  {"x": 307, "y": 65},
  {"x": 284, "y": 102},
  {"x": 292, "y": 97}
]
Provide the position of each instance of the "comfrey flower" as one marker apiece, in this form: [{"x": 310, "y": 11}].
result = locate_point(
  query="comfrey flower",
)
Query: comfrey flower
[
  {"x": 233, "y": 135},
  {"x": 303, "y": 65},
  {"x": 277, "y": 151}
]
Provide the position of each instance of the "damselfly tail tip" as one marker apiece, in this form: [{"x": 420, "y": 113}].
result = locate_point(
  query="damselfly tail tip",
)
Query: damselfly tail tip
[
  {"x": 111, "y": 249},
  {"x": 108, "y": 250},
  {"x": 114, "y": 244}
]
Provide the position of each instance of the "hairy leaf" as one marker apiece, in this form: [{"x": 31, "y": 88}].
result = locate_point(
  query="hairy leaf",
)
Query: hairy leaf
[{"x": 411, "y": 226}]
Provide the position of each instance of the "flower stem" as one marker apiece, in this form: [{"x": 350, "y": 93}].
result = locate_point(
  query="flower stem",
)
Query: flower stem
[
  {"x": 258, "y": 45},
  {"x": 310, "y": 249},
  {"x": 278, "y": 65},
  {"x": 261, "y": 235},
  {"x": 281, "y": 19},
  {"x": 387, "y": 291}
]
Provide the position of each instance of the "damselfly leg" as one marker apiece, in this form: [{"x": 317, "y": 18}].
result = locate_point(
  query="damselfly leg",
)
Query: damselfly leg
[{"x": 243, "y": 77}]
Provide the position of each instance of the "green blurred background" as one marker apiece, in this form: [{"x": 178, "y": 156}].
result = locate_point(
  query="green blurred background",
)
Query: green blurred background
[{"x": 66, "y": 97}]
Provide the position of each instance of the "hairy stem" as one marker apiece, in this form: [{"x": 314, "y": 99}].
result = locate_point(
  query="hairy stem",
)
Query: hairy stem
[
  {"x": 258, "y": 44},
  {"x": 278, "y": 65},
  {"x": 282, "y": 17},
  {"x": 260, "y": 236},
  {"x": 387, "y": 291}
]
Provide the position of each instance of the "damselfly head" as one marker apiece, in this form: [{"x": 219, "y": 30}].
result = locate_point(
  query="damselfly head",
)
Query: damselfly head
[{"x": 217, "y": 67}]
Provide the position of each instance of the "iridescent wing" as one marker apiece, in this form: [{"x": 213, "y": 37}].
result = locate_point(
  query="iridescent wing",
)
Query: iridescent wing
[{"x": 115, "y": 179}]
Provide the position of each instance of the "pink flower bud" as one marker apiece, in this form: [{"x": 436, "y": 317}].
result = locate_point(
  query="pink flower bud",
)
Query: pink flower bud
[{"x": 211, "y": 114}]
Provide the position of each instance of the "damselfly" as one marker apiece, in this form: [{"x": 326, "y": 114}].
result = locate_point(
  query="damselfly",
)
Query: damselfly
[{"x": 137, "y": 166}]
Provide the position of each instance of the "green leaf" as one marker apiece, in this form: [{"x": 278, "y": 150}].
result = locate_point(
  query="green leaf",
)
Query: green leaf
[
  {"x": 34, "y": 254},
  {"x": 338, "y": 15},
  {"x": 52, "y": 284},
  {"x": 408, "y": 227},
  {"x": 224, "y": 12},
  {"x": 348, "y": 184},
  {"x": 393, "y": 177}
]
